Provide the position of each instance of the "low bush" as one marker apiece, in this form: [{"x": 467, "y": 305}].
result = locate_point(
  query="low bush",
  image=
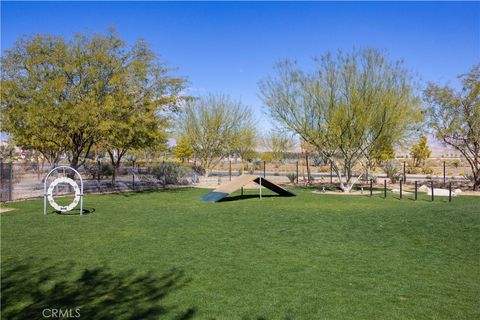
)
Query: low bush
[
  {"x": 173, "y": 173},
  {"x": 456, "y": 163},
  {"x": 323, "y": 169},
  {"x": 413, "y": 170},
  {"x": 199, "y": 170},
  {"x": 291, "y": 177},
  {"x": 427, "y": 170},
  {"x": 100, "y": 170},
  {"x": 367, "y": 178},
  {"x": 391, "y": 170}
]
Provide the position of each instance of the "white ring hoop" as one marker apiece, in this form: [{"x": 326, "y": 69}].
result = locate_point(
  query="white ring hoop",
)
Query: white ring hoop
[
  {"x": 51, "y": 200},
  {"x": 48, "y": 194}
]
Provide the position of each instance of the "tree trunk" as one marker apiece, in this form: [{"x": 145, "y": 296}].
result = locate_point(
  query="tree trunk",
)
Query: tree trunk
[
  {"x": 207, "y": 172},
  {"x": 206, "y": 164},
  {"x": 476, "y": 180},
  {"x": 347, "y": 187},
  {"x": 116, "y": 170},
  {"x": 308, "y": 169},
  {"x": 112, "y": 162},
  {"x": 74, "y": 161},
  {"x": 348, "y": 184},
  {"x": 116, "y": 162}
]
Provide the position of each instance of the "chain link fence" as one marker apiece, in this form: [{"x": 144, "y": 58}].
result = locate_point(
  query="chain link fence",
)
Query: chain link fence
[{"x": 24, "y": 180}]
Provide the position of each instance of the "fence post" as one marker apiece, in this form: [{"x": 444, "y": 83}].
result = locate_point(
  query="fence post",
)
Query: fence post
[
  {"x": 260, "y": 188},
  {"x": 97, "y": 169},
  {"x": 401, "y": 184},
  {"x": 416, "y": 189},
  {"x": 264, "y": 171},
  {"x": 444, "y": 175},
  {"x": 404, "y": 172},
  {"x": 371, "y": 187},
  {"x": 2, "y": 172},
  {"x": 450, "y": 192},
  {"x": 10, "y": 183},
  {"x": 385, "y": 188},
  {"x": 2, "y": 191},
  {"x": 432, "y": 190},
  {"x": 133, "y": 174},
  {"x": 164, "y": 175},
  {"x": 297, "y": 171},
  {"x": 230, "y": 170},
  {"x": 331, "y": 172}
]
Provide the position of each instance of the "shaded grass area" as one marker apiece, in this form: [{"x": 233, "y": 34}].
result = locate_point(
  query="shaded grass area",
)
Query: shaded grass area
[{"x": 166, "y": 254}]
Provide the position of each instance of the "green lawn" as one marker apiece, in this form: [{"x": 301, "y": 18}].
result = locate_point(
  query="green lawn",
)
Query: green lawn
[{"x": 168, "y": 255}]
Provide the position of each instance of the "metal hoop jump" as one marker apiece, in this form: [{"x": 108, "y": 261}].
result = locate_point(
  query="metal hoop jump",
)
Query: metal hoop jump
[{"x": 48, "y": 193}]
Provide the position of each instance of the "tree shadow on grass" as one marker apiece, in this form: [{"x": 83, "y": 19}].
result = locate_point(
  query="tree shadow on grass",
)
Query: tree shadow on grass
[
  {"x": 31, "y": 285},
  {"x": 247, "y": 196}
]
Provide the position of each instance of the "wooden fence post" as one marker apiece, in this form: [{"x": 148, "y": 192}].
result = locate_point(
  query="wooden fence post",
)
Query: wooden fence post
[{"x": 385, "y": 188}]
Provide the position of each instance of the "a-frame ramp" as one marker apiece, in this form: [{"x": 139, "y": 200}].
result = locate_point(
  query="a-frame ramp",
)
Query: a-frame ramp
[{"x": 223, "y": 191}]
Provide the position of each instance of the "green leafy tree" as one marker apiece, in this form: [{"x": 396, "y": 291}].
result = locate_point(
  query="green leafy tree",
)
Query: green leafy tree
[
  {"x": 7, "y": 150},
  {"x": 348, "y": 108},
  {"x": 183, "y": 150},
  {"x": 57, "y": 94},
  {"x": 66, "y": 97},
  {"x": 245, "y": 144},
  {"x": 388, "y": 153},
  {"x": 420, "y": 151},
  {"x": 147, "y": 95},
  {"x": 307, "y": 149},
  {"x": 213, "y": 124},
  {"x": 391, "y": 170},
  {"x": 33, "y": 95},
  {"x": 278, "y": 143},
  {"x": 454, "y": 116},
  {"x": 73, "y": 82}
]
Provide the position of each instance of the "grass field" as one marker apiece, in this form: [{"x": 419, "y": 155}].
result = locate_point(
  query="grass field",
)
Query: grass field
[{"x": 168, "y": 255}]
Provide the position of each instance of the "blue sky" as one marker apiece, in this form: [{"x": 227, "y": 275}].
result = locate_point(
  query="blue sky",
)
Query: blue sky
[{"x": 227, "y": 47}]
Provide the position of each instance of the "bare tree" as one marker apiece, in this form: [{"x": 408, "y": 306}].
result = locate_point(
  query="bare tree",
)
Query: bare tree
[
  {"x": 455, "y": 118},
  {"x": 278, "y": 143},
  {"x": 213, "y": 125},
  {"x": 348, "y": 107}
]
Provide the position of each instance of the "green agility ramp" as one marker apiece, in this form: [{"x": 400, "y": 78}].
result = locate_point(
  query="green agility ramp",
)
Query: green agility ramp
[{"x": 223, "y": 191}]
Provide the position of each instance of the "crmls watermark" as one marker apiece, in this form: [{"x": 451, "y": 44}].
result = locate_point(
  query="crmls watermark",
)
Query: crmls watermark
[{"x": 54, "y": 313}]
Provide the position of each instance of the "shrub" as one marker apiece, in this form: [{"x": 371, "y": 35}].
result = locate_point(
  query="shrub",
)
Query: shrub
[
  {"x": 258, "y": 164},
  {"x": 413, "y": 170},
  {"x": 368, "y": 177},
  {"x": 391, "y": 170},
  {"x": 199, "y": 170},
  {"x": 324, "y": 169},
  {"x": 456, "y": 163},
  {"x": 318, "y": 162},
  {"x": 99, "y": 170},
  {"x": 291, "y": 177},
  {"x": 427, "y": 170},
  {"x": 172, "y": 173}
]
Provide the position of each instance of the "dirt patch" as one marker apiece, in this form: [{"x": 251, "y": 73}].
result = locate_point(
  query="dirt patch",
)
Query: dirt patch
[
  {"x": 3, "y": 210},
  {"x": 469, "y": 193},
  {"x": 351, "y": 193}
]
